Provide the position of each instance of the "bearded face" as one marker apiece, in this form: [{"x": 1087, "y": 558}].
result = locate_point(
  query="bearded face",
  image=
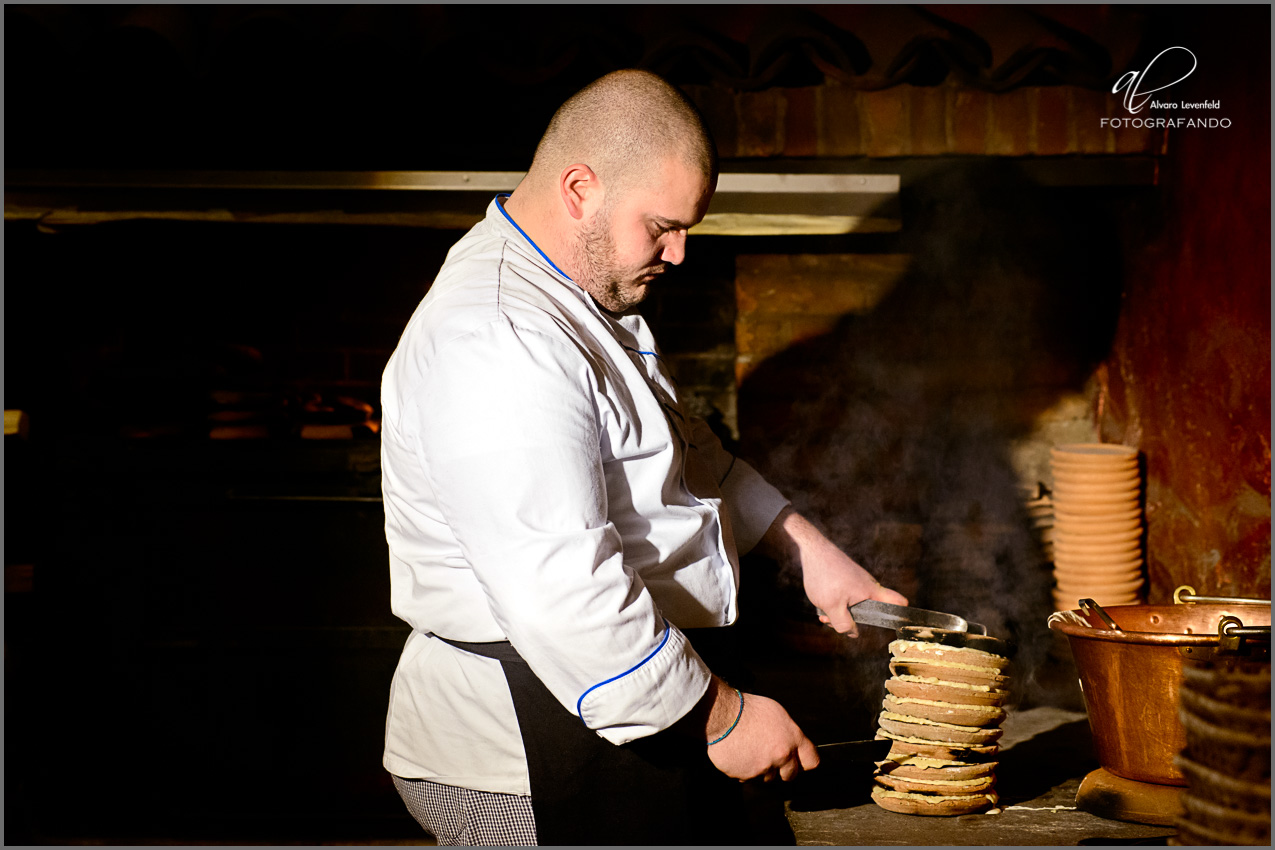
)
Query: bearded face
[
  {"x": 616, "y": 286},
  {"x": 637, "y": 233}
]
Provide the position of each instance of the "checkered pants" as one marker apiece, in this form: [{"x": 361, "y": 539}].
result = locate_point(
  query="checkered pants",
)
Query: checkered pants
[{"x": 466, "y": 818}]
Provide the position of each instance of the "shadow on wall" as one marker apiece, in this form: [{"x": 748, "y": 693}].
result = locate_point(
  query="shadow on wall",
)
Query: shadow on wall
[{"x": 894, "y": 431}]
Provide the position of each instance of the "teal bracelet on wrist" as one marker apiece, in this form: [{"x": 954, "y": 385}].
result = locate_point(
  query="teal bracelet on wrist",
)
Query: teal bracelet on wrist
[{"x": 737, "y": 716}]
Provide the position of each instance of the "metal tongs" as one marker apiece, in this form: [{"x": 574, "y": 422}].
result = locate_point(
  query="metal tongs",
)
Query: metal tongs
[
  {"x": 930, "y": 626},
  {"x": 873, "y": 613}
]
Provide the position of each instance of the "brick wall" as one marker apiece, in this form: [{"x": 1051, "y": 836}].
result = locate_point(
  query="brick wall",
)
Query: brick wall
[
  {"x": 835, "y": 120},
  {"x": 790, "y": 298}
]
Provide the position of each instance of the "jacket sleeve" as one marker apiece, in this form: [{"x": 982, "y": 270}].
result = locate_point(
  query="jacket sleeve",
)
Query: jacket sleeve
[
  {"x": 509, "y": 436},
  {"x": 750, "y": 501}
]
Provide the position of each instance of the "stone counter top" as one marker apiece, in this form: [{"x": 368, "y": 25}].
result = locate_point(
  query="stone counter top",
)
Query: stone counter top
[{"x": 1045, "y": 753}]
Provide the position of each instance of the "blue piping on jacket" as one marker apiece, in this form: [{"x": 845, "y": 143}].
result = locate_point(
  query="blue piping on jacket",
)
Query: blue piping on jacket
[
  {"x": 580, "y": 702},
  {"x": 501, "y": 207}
]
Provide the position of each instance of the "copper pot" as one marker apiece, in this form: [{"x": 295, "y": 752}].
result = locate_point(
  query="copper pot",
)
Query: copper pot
[{"x": 1130, "y": 678}]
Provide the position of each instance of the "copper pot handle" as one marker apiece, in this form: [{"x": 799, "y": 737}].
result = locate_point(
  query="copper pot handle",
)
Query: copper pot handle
[{"x": 1186, "y": 594}]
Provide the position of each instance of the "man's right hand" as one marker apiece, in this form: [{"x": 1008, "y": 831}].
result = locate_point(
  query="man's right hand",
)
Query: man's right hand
[{"x": 766, "y": 743}]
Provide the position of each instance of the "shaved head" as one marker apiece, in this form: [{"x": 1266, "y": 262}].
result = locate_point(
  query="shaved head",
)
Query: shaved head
[
  {"x": 624, "y": 171},
  {"x": 623, "y": 126}
]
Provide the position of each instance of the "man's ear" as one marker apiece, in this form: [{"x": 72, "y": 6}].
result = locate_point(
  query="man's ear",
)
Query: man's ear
[{"x": 580, "y": 190}]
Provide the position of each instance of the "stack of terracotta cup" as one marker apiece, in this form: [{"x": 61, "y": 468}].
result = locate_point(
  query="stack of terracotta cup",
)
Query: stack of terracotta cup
[
  {"x": 1097, "y": 533},
  {"x": 1040, "y": 513}
]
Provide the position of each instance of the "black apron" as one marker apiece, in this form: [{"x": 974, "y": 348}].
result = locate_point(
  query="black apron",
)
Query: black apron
[{"x": 661, "y": 789}]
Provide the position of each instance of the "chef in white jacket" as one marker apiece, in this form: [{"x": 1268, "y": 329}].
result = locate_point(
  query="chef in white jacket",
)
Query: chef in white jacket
[{"x": 556, "y": 520}]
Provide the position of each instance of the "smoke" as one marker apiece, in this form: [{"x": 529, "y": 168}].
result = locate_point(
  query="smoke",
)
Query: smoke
[{"x": 893, "y": 432}]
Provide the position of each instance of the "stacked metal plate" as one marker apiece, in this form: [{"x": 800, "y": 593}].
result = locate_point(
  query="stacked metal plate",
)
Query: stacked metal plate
[{"x": 1097, "y": 533}]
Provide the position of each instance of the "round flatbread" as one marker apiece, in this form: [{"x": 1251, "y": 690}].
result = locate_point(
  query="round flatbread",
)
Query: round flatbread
[
  {"x": 923, "y": 768},
  {"x": 945, "y": 712},
  {"x": 945, "y": 672},
  {"x": 946, "y": 787},
  {"x": 915, "y": 650},
  {"x": 949, "y": 692},
  {"x": 908, "y": 803},
  {"x": 933, "y": 732},
  {"x": 968, "y": 753}
]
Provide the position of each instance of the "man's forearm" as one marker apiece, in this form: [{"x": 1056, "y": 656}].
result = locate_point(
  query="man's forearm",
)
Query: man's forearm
[
  {"x": 833, "y": 581},
  {"x": 782, "y": 541}
]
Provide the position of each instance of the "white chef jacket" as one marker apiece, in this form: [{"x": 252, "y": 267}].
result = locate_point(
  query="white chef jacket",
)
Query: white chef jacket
[{"x": 543, "y": 485}]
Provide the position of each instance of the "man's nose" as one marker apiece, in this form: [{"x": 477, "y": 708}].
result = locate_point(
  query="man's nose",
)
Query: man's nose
[{"x": 674, "y": 247}]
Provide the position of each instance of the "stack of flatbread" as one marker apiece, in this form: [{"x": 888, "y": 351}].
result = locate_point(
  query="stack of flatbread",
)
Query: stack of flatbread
[{"x": 943, "y": 710}]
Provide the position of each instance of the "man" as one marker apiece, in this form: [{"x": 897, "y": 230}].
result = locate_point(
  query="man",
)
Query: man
[{"x": 556, "y": 521}]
